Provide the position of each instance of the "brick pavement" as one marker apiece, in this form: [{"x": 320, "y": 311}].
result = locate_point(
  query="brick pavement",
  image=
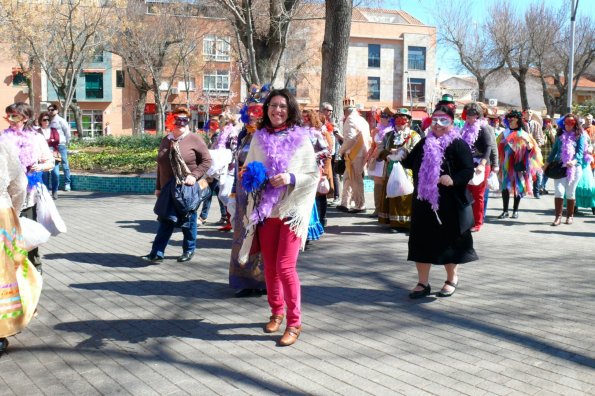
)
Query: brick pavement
[{"x": 520, "y": 323}]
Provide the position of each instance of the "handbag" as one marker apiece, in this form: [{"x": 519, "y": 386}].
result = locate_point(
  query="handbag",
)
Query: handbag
[
  {"x": 341, "y": 166},
  {"x": 57, "y": 156},
  {"x": 465, "y": 211},
  {"x": 555, "y": 170},
  {"x": 464, "y": 207},
  {"x": 323, "y": 186}
]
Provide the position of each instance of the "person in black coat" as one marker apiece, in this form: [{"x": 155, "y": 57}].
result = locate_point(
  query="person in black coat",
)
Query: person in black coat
[{"x": 442, "y": 165}]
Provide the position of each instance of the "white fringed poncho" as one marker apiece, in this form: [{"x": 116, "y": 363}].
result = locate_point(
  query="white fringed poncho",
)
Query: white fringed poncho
[{"x": 296, "y": 203}]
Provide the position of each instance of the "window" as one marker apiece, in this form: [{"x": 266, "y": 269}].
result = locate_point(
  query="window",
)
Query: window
[
  {"x": 417, "y": 58},
  {"x": 215, "y": 48},
  {"x": 92, "y": 123},
  {"x": 18, "y": 78},
  {"x": 191, "y": 85},
  {"x": 94, "y": 85},
  {"x": 373, "y": 88},
  {"x": 97, "y": 56},
  {"x": 417, "y": 90},
  {"x": 373, "y": 55},
  {"x": 120, "y": 78},
  {"x": 216, "y": 81}
]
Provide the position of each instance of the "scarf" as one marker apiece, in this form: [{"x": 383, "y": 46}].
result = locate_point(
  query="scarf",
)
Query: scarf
[
  {"x": 470, "y": 132},
  {"x": 279, "y": 147},
  {"x": 178, "y": 166},
  {"x": 429, "y": 172},
  {"x": 567, "y": 153},
  {"x": 24, "y": 141}
]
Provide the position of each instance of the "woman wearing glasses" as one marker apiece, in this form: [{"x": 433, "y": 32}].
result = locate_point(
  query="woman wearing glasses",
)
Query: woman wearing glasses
[
  {"x": 520, "y": 158},
  {"x": 52, "y": 137},
  {"x": 35, "y": 158},
  {"x": 183, "y": 157},
  {"x": 279, "y": 207},
  {"x": 442, "y": 166}
]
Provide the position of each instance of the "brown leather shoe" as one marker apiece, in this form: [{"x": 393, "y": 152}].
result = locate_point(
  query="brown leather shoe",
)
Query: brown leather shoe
[
  {"x": 274, "y": 324},
  {"x": 290, "y": 336}
]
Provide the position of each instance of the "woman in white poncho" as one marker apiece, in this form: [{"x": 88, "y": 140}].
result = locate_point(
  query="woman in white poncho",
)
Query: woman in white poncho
[{"x": 281, "y": 177}]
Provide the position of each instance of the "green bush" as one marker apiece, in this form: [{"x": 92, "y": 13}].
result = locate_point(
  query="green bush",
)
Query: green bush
[{"x": 108, "y": 154}]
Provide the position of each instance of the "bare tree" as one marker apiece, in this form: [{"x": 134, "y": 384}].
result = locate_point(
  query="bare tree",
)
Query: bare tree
[
  {"x": 62, "y": 44},
  {"x": 261, "y": 27},
  {"x": 512, "y": 32},
  {"x": 556, "y": 62},
  {"x": 153, "y": 48},
  {"x": 335, "y": 48}
]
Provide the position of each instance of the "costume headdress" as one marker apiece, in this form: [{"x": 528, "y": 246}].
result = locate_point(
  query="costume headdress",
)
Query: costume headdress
[{"x": 256, "y": 97}]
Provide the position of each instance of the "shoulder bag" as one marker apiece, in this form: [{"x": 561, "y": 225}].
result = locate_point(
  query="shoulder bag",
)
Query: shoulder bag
[{"x": 555, "y": 170}]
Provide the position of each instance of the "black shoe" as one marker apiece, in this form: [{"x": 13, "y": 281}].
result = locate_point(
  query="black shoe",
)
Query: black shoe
[
  {"x": 593, "y": 210},
  {"x": 504, "y": 215},
  {"x": 420, "y": 293},
  {"x": 544, "y": 191},
  {"x": 3, "y": 345},
  {"x": 342, "y": 208},
  {"x": 442, "y": 293},
  {"x": 515, "y": 215},
  {"x": 187, "y": 256},
  {"x": 152, "y": 258},
  {"x": 55, "y": 195}
]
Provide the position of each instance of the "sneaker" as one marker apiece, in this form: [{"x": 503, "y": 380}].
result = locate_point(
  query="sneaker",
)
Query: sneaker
[
  {"x": 67, "y": 187},
  {"x": 154, "y": 258},
  {"x": 222, "y": 221}
]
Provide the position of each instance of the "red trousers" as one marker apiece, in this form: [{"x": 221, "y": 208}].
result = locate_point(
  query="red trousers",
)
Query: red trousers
[
  {"x": 280, "y": 248},
  {"x": 478, "y": 196}
]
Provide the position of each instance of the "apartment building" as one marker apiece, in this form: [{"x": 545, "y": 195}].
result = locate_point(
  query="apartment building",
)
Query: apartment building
[{"x": 391, "y": 62}]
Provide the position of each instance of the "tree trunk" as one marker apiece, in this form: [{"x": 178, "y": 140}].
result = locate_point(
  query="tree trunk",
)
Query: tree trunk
[
  {"x": 78, "y": 117},
  {"x": 139, "y": 112},
  {"x": 481, "y": 89},
  {"x": 523, "y": 90},
  {"x": 335, "y": 48}
]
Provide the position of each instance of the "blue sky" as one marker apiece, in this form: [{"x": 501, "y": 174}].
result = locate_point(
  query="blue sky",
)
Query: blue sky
[{"x": 448, "y": 59}]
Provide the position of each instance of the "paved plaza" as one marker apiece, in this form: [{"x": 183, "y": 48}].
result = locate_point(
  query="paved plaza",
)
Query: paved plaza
[{"x": 521, "y": 321}]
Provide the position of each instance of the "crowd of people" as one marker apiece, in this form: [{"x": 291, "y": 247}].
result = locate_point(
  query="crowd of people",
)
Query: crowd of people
[{"x": 277, "y": 168}]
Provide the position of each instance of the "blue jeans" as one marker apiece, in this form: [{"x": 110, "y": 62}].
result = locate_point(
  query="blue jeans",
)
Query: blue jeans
[
  {"x": 206, "y": 204},
  {"x": 166, "y": 229},
  {"x": 64, "y": 154},
  {"x": 51, "y": 179}
]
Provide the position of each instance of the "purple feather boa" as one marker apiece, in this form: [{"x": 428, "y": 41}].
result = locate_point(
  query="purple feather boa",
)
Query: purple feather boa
[
  {"x": 568, "y": 150},
  {"x": 429, "y": 172},
  {"x": 470, "y": 132},
  {"x": 24, "y": 141},
  {"x": 278, "y": 148}
]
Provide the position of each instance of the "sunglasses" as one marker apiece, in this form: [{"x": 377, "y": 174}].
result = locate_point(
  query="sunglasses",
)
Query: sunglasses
[
  {"x": 45, "y": 119},
  {"x": 14, "y": 117},
  {"x": 441, "y": 121},
  {"x": 182, "y": 121}
]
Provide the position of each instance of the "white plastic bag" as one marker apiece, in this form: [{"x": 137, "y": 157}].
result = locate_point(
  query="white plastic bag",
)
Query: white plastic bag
[
  {"x": 493, "y": 183},
  {"x": 34, "y": 234},
  {"x": 47, "y": 213},
  {"x": 226, "y": 181},
  {"x": 323, "y": 186},
  {"x": 399, "y": 183},
  {"x": 478, "y": 178}
]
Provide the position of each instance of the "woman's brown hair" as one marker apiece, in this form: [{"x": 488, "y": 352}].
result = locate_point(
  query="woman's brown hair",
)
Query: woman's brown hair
[{"x": 314, "y": 120}]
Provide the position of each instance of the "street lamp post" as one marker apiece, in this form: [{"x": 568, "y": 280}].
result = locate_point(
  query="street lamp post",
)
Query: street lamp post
[{"x": 570, "y": 77}]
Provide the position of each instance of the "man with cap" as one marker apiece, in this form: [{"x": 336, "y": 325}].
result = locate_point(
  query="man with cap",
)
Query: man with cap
[
  {"x": 356, "y": 143},
  {"x": 63, "y": 129},
  {"x": 396, "y": 145}
]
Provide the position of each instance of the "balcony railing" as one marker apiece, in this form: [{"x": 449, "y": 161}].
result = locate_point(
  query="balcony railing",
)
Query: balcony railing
[{"x": 417, "y": 64}]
